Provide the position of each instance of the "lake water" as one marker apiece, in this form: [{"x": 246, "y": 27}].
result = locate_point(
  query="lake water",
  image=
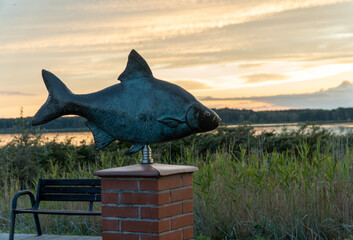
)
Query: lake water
[
  {"x": 77, "y": 137},
  {"x": 338, "y": 128}
]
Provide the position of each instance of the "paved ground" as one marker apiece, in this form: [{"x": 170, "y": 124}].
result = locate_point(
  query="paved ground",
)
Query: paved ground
[{"x": 5, "y": 236}]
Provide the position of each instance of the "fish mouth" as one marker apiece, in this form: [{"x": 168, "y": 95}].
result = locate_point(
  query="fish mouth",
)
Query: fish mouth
[{"x": 217, "y": 119}]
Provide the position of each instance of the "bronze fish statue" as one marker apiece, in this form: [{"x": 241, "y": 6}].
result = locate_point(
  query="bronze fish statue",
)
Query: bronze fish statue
[{"x": 140, "y": 110}]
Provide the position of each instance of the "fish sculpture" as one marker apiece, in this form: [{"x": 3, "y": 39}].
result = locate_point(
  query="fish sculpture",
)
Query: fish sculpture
[{"x": 141, "y": 109}]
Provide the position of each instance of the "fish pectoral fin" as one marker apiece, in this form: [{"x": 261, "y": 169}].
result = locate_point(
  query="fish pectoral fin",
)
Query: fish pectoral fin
[
  {"x": 134, "y": 149},
  {"x": 101, "y": 138},
  {"x": 171, "y": 122}
]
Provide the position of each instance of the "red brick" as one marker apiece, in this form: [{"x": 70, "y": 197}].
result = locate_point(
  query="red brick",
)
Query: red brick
[
  {"x": 149, "y": 212},
  {"x": 149, "y": 185},
  {"x": 120, "y": 236},
  {"x": 188, "y": 206},
  {"x": 187, "y": 180},
  {"x": 149, "y": 237},
  {"x": 169, "y": 182},
  {"x": 174, "y": 235},
  {"x": 122, "y": 212},
  {"x": 118, "y": 184},
  {"x": 145, "y": 198},
  {"x": 188, "y": 233},
  {"x": 182, "y": 221},
  {"x": 110, "y": 225},
  {"x": 145, "y": 226},
  {"x": 161, "y": 212},
  {"x": 162, "y": 183},
  {"x": 110, "y": 197},
  {"x": 181, "y": 194}
]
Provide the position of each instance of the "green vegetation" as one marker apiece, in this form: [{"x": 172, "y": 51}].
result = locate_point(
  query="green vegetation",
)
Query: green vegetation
[{"x": 289, "y": 185}]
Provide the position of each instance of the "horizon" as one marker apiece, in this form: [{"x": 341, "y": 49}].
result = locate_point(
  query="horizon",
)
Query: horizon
[
  {"x": 256, "y": 55},
  {"x": 216, "y": 109}
]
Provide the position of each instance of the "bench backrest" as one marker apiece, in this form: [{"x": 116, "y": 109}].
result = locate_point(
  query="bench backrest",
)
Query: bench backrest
[{"x": 83, "y": 190}]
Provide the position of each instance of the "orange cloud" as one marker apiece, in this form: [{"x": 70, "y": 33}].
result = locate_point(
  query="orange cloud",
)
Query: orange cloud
[
  {"x": 191, "y": 85},
  {"x": 264, "y": 77}
]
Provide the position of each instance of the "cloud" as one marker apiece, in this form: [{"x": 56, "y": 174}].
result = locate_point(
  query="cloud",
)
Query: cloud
[
  {"x": 263, "y": 77},
  {"x": 205, "y": 32},
  {"x": 296, "y": 35},
  {"x": 340, "y": 96},
  {"x": 11, "y": 93},
  {"x": 191, "y": 85},
  {"x": 78, "y": 25},
  {"x": 249, "y": 65}
]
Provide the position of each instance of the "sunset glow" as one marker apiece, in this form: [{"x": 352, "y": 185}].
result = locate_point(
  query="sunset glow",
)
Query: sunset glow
[{"x": 257, "y": 55}]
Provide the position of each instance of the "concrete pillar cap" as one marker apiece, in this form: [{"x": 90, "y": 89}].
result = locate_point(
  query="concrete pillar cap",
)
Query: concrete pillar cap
[{"x": 146, "y": 170}]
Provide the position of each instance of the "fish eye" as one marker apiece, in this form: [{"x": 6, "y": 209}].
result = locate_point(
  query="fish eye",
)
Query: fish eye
[{"x": 207, "y": 114}]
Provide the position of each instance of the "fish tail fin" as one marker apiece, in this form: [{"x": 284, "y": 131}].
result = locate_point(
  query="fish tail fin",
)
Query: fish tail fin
[{"x": 55, "y": 104}]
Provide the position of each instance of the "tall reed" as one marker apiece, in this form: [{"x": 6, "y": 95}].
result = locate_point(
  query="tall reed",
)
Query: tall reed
[
  {"x": 280, "y": 197},
  {"x": 292, "y": 185}
]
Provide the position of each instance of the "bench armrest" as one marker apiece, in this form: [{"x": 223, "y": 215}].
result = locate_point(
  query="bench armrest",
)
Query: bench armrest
[{"x": 20, "y": 193}]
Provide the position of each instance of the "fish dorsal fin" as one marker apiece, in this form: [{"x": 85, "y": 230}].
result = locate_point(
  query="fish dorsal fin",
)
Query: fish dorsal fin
[
  {"x": 101, "y": 138},
  {"x": 136, "y": 68}
]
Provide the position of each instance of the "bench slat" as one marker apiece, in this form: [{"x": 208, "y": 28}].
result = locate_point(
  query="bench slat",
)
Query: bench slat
[
  {"x": 71, "y": 197},
  {"x": 83, "y": 190},
  {"x": 73, "y": 182},
  {"x": 59, "y": 212}
]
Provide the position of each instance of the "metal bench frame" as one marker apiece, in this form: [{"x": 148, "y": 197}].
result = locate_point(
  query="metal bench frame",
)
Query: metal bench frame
[{"x": 80, "y": 190}]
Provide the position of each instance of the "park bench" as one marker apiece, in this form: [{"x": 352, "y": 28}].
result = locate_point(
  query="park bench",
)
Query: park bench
[{"x": 79, "y": 190}]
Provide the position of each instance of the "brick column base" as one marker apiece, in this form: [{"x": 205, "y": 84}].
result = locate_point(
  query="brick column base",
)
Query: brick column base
[{"x": 147, "y": 202}]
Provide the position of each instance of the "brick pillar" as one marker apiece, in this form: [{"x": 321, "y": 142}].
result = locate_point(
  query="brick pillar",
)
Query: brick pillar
[{"x": 147, "y": 202}]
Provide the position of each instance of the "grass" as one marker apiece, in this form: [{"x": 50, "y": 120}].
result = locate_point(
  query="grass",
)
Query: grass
[
  {"x": 279, "y": 197},
  {"x": 292, "y": 185}
]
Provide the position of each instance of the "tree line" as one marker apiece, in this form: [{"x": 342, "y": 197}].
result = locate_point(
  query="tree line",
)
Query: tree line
[
  {"x": 228, "y": 116},
  {"x": 63, "y": 124},
  {"x": 236, "y": 116}
]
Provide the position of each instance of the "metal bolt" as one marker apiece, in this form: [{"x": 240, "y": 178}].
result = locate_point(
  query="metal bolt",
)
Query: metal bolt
[{"x": 146, "y": 155}]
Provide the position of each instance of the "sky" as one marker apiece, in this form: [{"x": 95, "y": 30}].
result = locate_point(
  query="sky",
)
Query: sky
[{"x": 254, "y": 54}]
